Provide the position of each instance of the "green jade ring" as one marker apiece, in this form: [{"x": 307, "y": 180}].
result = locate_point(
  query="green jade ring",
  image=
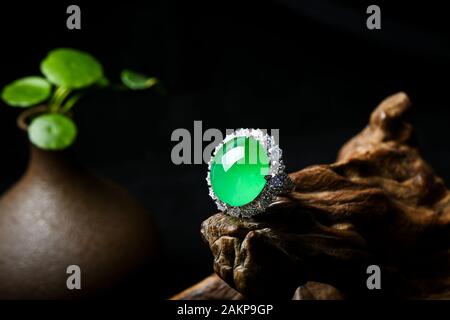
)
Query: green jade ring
[{"x": 246, "y": 173}]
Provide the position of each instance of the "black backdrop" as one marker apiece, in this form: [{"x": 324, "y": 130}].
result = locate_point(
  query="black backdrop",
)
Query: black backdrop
[{"x": 310, "y": 68}]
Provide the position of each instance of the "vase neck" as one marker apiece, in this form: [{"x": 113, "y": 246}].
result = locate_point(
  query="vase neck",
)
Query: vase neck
[{"x": 44, "y": 162}]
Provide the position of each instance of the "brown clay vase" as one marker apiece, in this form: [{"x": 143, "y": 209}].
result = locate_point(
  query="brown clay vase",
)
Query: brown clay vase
[{"x": 58, "y": 215}]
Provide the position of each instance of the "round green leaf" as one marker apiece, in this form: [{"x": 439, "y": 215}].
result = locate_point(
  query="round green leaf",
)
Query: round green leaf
[
  {"x": 137, "y": 81},
  {"x": 52, "y": 131},
  {"x": 70, "y": 68},
  {"x": 26, "y": 92}
]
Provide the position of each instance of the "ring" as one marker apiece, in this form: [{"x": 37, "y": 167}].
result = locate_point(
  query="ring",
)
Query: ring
[{"x": 246, "y": 173}]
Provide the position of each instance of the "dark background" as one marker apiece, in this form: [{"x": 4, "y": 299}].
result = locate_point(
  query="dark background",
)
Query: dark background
[{"x": 310, "y": 68}]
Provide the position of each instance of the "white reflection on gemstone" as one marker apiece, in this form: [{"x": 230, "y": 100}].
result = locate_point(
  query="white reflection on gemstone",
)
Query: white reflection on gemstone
[{"x": 232, "y": 156}]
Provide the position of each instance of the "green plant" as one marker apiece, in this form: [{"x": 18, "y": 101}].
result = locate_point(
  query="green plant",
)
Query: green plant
[{"x": 68, "y": 73}]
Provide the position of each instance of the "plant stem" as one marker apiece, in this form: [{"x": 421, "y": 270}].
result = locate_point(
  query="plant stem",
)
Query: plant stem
[
  {"x": 58, "y": 98},
  {"x": 70, "y": 102}
]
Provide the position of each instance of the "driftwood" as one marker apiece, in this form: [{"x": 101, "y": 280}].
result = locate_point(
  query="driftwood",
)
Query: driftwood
[{"x": 380, "y": 203}]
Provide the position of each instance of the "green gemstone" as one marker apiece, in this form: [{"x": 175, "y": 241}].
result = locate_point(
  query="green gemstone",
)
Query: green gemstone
[{"x": 238, "y": 171}]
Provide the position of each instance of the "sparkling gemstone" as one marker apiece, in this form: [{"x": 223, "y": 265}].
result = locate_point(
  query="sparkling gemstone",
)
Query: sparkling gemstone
[{"x": 238, "y": 171}]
